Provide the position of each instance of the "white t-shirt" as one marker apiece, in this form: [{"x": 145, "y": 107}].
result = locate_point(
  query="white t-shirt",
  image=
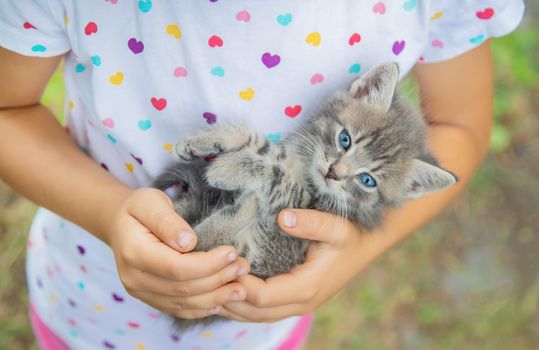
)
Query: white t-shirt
[{"x": 140, "y": 75}]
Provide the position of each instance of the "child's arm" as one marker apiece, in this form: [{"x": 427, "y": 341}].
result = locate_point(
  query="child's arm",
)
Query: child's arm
[
  {"x": 457, "y": 100},
  {"x": 39, "y": 160}
]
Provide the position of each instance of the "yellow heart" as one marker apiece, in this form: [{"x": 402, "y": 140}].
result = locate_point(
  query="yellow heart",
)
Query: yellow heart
[
  {"x": 437, "y": 15},
  {"x": 247, "y": 94},
  {"x": 168, "y": 147},
  {"x": 98, "y": 308},
  {"x": 140, "y": 346},
  {"x": 71, "y": 104},
  {"x": 129, "y": 167},
  {"x": 52, "y": 299},
  {"x": 314, "y": 39},
  {"x": 206, "y": 334},
  {"x": 67, "y": 20},
  {"x": 117, "y": 78},
  {"x": 174, "y": 30}
]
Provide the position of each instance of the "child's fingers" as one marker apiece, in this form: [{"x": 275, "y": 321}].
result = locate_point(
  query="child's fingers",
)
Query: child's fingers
[
  {"x": 153, "y": 209},
  {"x": 225, "y": 294},
  {"x": 156, "y": 284},
  {"x": 313, "y": 225},
  {"x": 160, "y": 260}
]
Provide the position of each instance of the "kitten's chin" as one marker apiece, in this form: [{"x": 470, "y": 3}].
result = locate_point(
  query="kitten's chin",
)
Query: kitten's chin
[{"x": 323, "y": 184}]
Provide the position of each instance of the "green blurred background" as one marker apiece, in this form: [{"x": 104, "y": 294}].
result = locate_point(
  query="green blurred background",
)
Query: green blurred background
[{"x": 469, "y": 280}]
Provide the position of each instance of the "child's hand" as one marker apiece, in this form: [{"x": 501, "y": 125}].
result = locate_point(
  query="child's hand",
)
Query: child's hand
[
  {"x": 148, "y": 246},
  {"x": 336, "y": 256}
]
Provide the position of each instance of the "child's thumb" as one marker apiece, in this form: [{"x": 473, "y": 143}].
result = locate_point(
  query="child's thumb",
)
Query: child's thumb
[{"x": 158, "y": 216}]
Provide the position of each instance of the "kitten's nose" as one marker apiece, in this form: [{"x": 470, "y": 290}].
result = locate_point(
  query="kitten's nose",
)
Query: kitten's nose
[{"x": 331, "y": 173}]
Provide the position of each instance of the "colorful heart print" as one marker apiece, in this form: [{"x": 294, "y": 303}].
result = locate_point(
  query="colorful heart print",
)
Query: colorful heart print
[
  {"x": 158, "y": 103},
  {"x": 478, "y": 39},
  {"x": 409, "y": 5},
  {"x": 485, "y": 14},
  {"x": 379, "y": 8},
  {"x": 247, "y": 94},
  {"x": 313, "y": 38},
  {"x": 39, "y": 48},
  {"x": 292, "y": 111},
  {"x": 317, "y": 78},
  {"x": 218, "y": 71},
  {"x": 215, "y": 41},
  {"x": 211, "y": 118},
  {"x": 96, "y": 60},
  {"x": 135, "y": 46},
  {"x": 284, "y": 19},
  {"x": 243, "y": 16},
  {"x": 28, "y": 25},
  {"x": 398, "y": 47},
  {"x": 270, "y": 60},
  {"x": 91, "y": 28},
  {"x": 145, "y": 5},
  {"x": 79, "y": 68},
  {"x": 354, "y": 68},
  {"x": 354, "y": 39},
  {"x": 174, "y": 31},
  {"x": 437, "y": 15},
  {"x": 180, "y": 72},
  {"x": 117, "y": 79},
  {"x": 144, "y": 125}
]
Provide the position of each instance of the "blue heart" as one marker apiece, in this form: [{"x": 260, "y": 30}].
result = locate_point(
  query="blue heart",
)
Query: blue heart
[
  {"x": 409, "y": 5},
  {"x": 354, "y": 69},
  {"x": 284, "y": 19},
  {"x": 218, "y": 71},
  {"x": 145, "y": 5},
  {"x": 478, "y": 39},
  {"x": 39, "y": 48},
  {"x": 80, "y": 285},
  {"x": 144, "y": 124},
  {"x": 111, "y": 138},
  {"x": 80, "y": 68},
  {"x": 96, "y": 60},
  {"x": 274, "y": 137}
]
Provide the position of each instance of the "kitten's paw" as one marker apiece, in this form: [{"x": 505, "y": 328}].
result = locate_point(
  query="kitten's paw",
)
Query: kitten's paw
[{"x": 197, "y": 147}]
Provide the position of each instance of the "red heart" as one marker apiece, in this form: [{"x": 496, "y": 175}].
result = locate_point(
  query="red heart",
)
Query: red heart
[
  {"x": 90, "y": 28},
  {"x": 133, "y": 325},
  {"x": 159, "y": 104},
  {"x": 485, "y": 14},
  {"x": 292, "y": 112},
  {"x": 215, "y": 41},
  {"x": 28, "y": 25},
  {"x": 354, "y": 38}
]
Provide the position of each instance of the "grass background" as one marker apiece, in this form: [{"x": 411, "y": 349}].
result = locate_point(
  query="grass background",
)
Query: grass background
[{"x": 469, "y": 280}]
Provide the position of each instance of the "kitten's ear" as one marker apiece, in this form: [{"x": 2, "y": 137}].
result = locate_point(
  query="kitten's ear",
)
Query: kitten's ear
[
  {"x": 377, "y": 86},
  {"x": 425, "y": 178}
]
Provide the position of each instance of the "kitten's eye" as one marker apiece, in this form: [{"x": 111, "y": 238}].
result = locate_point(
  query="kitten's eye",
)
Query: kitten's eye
[
  {"x": 367, "y": 180},
  {"x": 344, "y": 140}
]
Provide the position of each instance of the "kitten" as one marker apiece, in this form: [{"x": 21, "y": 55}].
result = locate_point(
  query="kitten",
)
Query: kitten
[{"x": 362, "y": 152}]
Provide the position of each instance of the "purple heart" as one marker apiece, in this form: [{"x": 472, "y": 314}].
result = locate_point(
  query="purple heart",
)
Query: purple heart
[
  {"x": 139, "y": 160},
  {"x": 117, "y": 298},
  {"x": 270, "y": 60},
  {"x": 108, "y": 344},
  {"x": 104, "y": 166},
  {"x": 211, "y": 118},
  {"x": 39, "y": 283},
  {"x": 135, "y": 46},
  {"x": 398, "y": 46},
  {"x": 71, "y": 303},
  {"x": 81, "y": 249},
  {"x": 175, "y": 337}
]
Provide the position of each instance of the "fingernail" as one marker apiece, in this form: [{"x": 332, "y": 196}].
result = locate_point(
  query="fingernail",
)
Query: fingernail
[
  {"x": 290, "y": 219},
  {"x": 214, "y": 310},
  {"x": 235, "y": 296},
  {"x": 231, "y": 256},
  {"x": 185, "y": 239},
  {"x": 241, "y": 271}
]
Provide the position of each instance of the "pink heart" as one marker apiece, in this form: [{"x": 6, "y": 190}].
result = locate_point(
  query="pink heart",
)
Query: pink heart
[
  {"x": 109, "y": 123},
  {"x": 112, "y": 1},
  {"x": 379, "y": 7},
  {"x": 438, "y": 43},
  {"x": 243, "y": 16},
  {"x": 180, "y": 72},
  {"x": 317, "y": 78}
]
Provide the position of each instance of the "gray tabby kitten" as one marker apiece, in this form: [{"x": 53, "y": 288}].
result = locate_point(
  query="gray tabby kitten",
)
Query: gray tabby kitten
[{"x": 362, "y": 152}]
